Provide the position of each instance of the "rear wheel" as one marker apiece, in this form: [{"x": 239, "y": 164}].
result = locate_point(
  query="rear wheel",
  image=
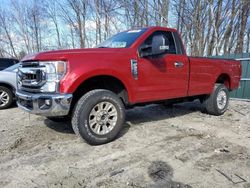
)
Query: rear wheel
[
  {"x": 6, "y": 97},
  {"x": 217, "y": 102},
  {"x": 98, "y": 116}
]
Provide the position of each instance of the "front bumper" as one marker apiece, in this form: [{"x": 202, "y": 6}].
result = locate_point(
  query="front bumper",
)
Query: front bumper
[{"x": 44, "y": 104}]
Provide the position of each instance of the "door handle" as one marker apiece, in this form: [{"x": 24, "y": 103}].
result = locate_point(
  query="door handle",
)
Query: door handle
[{"x": 178, "y": 64}]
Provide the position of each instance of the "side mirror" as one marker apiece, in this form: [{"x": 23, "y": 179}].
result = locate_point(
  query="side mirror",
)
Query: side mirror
[
  {"x": 159, "y": 44},
  {"x": 145, "y": 50}
]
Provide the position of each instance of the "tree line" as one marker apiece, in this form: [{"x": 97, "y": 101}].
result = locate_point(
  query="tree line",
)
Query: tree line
[{"x": 208, "y": 27}]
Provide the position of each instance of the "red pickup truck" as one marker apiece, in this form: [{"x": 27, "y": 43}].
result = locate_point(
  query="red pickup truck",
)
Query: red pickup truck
[{"x": 94, "y": 86}]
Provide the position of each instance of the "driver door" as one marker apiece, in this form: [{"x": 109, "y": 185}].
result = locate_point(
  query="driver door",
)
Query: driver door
[{"x": 165, "y": 75}]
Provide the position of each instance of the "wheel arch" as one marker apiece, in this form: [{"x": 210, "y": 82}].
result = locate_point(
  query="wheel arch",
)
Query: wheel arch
[
  {"x": 225, "y": 79},
  {"x": 104, "y": 81},
  {"x": 9, "y": 86}
]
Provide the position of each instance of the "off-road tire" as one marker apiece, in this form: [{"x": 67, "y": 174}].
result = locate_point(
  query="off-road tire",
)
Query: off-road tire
[
  {"x": 210, "y": 103},
  {"x": 82, "y": 111},
  {"x": 10, "y": 95}
]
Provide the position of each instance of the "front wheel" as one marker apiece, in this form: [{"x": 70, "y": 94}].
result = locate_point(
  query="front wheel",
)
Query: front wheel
[
  {"x": 98, "y": 116},
  {"x": 217, "y": 102},
  {"x": 6, "y": 97}
]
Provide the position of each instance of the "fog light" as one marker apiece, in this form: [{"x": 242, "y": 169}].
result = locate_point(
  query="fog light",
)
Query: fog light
[
  {"x": 65, "y": 102},
  {"x": 44, "y": 103},
  {"x": 47, "y": 102}
]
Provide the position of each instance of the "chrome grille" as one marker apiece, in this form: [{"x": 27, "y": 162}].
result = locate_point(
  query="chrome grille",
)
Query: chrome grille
[
  {"x": 31, "y": 77},
  {"x": 30, "y": 64}
]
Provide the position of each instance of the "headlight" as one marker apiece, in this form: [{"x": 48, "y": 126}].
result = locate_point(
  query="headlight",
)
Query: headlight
[{"x": 54, "y": 70}]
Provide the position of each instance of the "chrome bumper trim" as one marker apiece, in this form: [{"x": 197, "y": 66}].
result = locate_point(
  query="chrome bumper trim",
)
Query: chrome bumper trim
[{"x": 44, "y": 104}]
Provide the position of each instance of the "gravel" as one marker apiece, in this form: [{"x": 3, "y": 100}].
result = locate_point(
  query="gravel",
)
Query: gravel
[{"x": 158, "y": 147}]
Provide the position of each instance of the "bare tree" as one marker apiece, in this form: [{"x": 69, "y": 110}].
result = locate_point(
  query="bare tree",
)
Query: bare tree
[
  {"x": 211, "y": 27},
  {"x": 216, "y": 21},
  {"x": 5, "y": 26},
  {"x": 248, "y": 41},
  {"x": 229, "y": 27},
  {"x": 20, "y": 19},
  {"x": 73, "y": 13},
  {"x": 35, "y": 19},
  {"x": 52, "y": 12},
  {"x": 244, "y": 14},
  {"x": 207, "y": 27},
  {"x": 97, "y": 8}
]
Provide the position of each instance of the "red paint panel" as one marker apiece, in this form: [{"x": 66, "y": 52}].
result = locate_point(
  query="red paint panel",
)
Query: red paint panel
[{"x": 160, "y": 79}]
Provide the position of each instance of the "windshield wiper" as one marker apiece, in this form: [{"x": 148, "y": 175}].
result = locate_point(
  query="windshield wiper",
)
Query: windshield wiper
[{"x": 102, "y": 47}]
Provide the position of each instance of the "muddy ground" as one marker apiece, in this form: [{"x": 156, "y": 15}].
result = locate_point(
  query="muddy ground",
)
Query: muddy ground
[{"x": 158, "y": 147}]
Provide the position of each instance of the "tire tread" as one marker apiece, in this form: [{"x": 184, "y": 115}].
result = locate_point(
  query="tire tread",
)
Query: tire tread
[
  {"x": 210, "y": 102},
  {"x": 78, "y": 109}
]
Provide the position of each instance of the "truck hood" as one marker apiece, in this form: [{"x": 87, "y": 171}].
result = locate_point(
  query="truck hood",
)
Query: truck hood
[{"x": 65, "y": 54}]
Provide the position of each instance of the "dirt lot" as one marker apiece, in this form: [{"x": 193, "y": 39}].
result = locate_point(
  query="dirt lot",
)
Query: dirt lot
[{"x": 158, "y": 147}]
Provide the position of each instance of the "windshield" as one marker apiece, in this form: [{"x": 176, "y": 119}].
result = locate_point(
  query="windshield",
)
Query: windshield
[
  {"x": 13, "y": 67},
  {"x": 122, "y": 40}
]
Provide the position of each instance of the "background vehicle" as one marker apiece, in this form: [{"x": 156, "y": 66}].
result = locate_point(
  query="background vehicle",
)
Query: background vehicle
[
  {"x": 7, "y": 62},
  {"x": 135, "y": 67},
  {"x": 8, "y": 86}
]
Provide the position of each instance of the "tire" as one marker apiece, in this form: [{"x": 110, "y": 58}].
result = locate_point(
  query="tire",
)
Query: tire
[
  {"x": 6, "y": 97},
  {"x": 168, "y": 105},
  {"x": 217, "y": 103},
  {"x": 98, "y": 116},
  {"x": 59, "y": 118}
]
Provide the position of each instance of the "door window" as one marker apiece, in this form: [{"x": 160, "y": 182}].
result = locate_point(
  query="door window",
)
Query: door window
[{"x": 169, "y": 42}]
